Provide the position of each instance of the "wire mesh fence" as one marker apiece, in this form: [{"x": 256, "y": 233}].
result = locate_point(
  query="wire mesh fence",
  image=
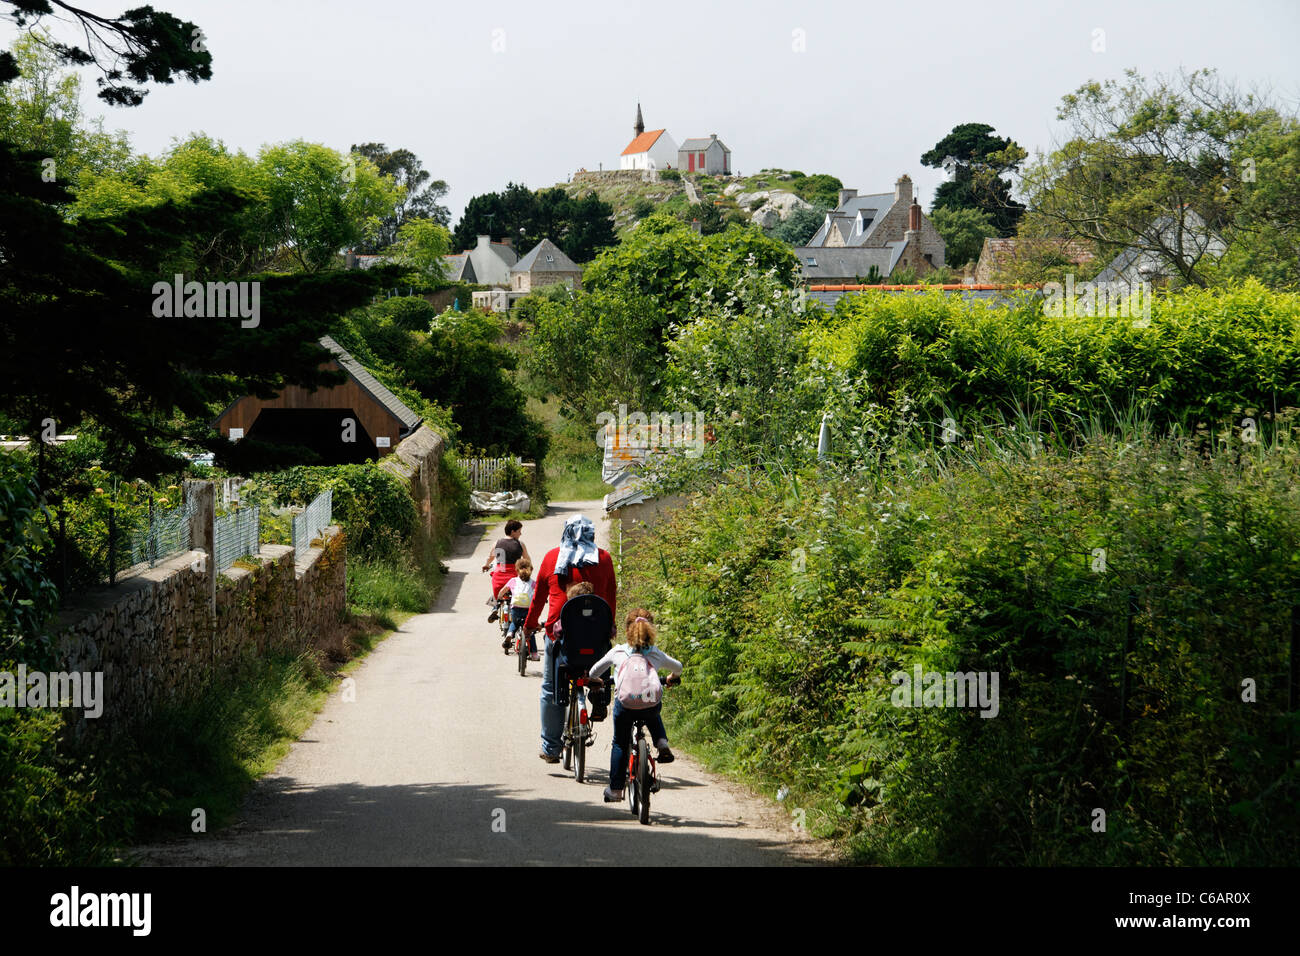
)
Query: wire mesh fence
[
  {"x": 309, "y": 525},
  {"x": 168, "y": 533},
  {"x": 235, "y": 536}
]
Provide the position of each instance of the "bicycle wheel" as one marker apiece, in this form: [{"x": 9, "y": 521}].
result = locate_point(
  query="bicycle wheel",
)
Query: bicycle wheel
[
  {"x": 568, "y": 743},
  {"x": 580, "y": 757},
  {"x": 521, "y": 651},
  {"x": 633, "y": 803},
  {"x": 643, "y": 778}
]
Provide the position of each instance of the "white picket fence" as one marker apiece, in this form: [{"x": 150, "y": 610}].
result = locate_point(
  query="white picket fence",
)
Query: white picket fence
[{"x": 488, "y": 474}]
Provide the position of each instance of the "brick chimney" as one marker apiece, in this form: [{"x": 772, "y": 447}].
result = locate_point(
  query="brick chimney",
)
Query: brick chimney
[
  {"x": 903, "y": 189},
  {"x": 914, "y": 217}
]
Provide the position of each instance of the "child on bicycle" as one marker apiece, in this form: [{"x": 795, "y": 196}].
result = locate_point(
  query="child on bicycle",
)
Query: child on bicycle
[
  {"x": 520, "y": 588},
  {"x": 640, "y": 636}
]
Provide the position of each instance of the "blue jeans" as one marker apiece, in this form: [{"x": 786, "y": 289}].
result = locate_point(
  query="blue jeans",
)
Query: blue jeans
[
  {"x": 552, "y": 712},
  {"x": 517, "y": 617},
  {"x": 623, "y": 739}
]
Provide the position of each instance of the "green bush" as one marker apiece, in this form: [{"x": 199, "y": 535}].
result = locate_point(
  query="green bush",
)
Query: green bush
[
  {"x": 372, "y": 504},
  {"x": 1206, "y": 357},
  {"x": 793, "y": 600}
]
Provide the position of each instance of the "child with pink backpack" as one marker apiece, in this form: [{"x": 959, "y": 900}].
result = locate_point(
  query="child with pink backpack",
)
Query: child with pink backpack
[{"x": 637, "y": 691}]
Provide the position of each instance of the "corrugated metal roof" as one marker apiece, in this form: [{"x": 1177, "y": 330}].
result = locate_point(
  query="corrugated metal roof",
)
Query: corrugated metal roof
[{"x": 377, "y": 390}]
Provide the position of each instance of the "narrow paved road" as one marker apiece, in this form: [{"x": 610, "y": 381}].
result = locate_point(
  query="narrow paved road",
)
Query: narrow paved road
[{"x": 439, "y": 750}]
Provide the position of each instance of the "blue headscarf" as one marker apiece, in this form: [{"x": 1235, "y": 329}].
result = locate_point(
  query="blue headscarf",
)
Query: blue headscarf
[{"x": 577, "y": 545}]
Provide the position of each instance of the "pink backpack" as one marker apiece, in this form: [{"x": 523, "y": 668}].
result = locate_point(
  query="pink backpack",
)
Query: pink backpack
[{"x": 638, "y": 685}]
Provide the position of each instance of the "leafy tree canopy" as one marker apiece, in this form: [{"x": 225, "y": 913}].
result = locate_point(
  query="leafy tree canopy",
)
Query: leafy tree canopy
[
  {"x": 141, "y": 46},
  {"x": 420, "y": 199},
  {"x": 1157, "y": 164},
  {"x": 977, "y": 161},
  {"x": 579, "y": 226}
]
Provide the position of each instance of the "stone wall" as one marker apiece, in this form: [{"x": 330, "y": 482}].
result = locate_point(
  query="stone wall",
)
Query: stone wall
[
  {"x": 597, "y": 177},
  {"x": 416, "y": 460},
  {"x": 162, "y": 634}
]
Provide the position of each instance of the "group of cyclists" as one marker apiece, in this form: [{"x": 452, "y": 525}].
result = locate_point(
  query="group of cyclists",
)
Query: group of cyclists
[{"x": 528, "y": 593}]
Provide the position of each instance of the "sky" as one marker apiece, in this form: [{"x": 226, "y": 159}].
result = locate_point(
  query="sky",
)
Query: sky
[{"x": 491, "y": 93}]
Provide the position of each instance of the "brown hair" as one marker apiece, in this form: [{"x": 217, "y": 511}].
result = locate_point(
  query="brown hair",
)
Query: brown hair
[
  {"x": 513, "y": 525},
  {"x": 581, "y": 587},
  {"x": 640, "y": 627},
  {"x": 524, "y": 569}
]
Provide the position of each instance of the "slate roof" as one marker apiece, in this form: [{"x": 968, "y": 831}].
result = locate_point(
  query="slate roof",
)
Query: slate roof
[
  {"x": 459, "y": 267},
  {"x": 546, "y": 256},
  {"x": 821, "y": 263},
  {"x": 1136, "y": 264},
  {"x": 643, "y": 142},
  {"x": 372, "y": 385},
  {"x": 700, "y": 143},
  {"x": 874, "y": 206}
]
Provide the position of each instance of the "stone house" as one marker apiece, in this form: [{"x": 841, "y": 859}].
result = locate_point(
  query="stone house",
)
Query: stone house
[
  {"x": 546, "y": 264},
  {"x": 999, "y": 255},
  {"x": 709, "y": 156},
  {"x": 885, "y": 230}
]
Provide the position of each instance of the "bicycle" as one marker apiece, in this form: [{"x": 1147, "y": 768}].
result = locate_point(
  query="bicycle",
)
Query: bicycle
[
  {"x": 642, "y": 776},
  {"x": 503, "y": 622},
  {"x": 586, "y": 624},
  {"x": 578, "y": 734},
  {"x": 521, "y": 649}
]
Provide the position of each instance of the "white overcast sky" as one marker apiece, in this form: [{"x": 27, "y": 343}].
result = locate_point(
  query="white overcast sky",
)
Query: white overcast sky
[{"x": 491, "y": 92}]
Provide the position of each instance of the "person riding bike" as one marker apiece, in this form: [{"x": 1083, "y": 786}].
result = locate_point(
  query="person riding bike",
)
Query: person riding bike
[
  {"x": 519, "y": 591},
  {"x": 640, "y": 635},
  {"x": 505, "y": 554},
  {"x": 575, "y": 559}
]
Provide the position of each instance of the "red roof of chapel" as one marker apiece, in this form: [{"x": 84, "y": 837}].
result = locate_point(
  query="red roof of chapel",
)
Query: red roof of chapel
[{"x": 643, "y": 142}]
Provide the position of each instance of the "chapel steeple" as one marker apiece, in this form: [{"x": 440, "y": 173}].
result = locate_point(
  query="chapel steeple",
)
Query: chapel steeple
[{"x": 640, "y": 123}]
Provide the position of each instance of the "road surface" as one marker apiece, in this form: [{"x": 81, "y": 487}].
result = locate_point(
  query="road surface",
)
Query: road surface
[{"x": 436, "y": 762}]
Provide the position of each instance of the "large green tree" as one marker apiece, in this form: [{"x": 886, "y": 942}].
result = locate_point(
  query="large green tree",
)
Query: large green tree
[
  {"x": 1158, "y": 164},
  {"x": 580, "y": 226},
  {"x": 978, "y": 161},
  {"x": 608, "y": 343},
  {"x": 141, "y": 46},
  {"x": 964, "y": 231},
  {"x": 421, "y": 194},
  {"x": 41, "y": 111},
  {"x": 81, "y": 337}
]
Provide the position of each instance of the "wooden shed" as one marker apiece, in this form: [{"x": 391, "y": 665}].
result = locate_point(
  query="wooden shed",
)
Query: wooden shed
[{"x": 360, "y": 420}]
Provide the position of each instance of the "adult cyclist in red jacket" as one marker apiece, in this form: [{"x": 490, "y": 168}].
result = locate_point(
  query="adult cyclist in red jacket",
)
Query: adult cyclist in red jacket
[{"x": 576, "y": 559}]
